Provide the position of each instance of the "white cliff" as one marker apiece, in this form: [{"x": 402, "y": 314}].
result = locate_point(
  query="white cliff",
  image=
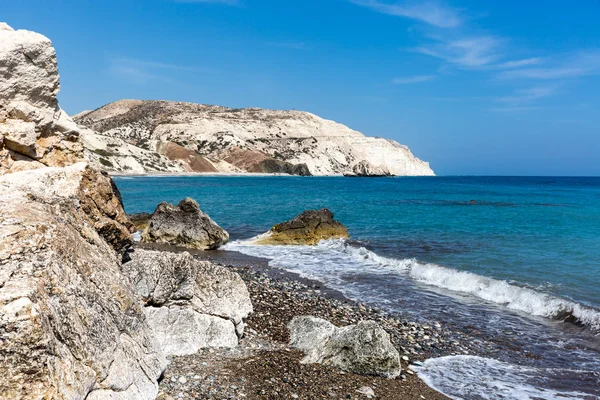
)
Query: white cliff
[{"x": 143, "y": 136}]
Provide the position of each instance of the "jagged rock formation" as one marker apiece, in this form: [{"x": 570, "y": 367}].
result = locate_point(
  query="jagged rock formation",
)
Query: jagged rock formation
[
  {"x": 34, "y": 131},
  {"x": 71, "y": 326},
  {"x": 184, "y": 225},
  {"x": 308, "y": 228},
  {"x": 190, "y": 304},
  {"x": 144, "y": 136},
  {"x": 364, "y": 348}
]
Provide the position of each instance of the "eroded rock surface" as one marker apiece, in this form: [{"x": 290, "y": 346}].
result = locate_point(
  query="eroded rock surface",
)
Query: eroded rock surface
[
  {"x": 308, "y": 228},
  {"x": 34, "y": 131},
  {"x": 366, "y": 169},
  {"x": 364, "y": 348},
  {"x": 184, "y": 225},
  {"x": 71, "y": 326},
  {"x": 190, "y": 304}
]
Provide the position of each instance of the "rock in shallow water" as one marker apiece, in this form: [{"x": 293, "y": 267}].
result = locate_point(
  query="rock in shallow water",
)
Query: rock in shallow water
[
  {"x": 364, "y": 348},
  {"x": 308, "y": 228},
  {"x": 184, "y": 225}
]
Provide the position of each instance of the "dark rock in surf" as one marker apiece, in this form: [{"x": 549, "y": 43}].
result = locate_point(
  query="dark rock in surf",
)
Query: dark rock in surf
[
  {"x": 308, "y": 228},
  {"x": 184, "y": 225}
]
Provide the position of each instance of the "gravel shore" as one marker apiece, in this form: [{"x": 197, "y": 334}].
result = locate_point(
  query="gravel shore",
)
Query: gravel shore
[{"x": 264, "y": 367}]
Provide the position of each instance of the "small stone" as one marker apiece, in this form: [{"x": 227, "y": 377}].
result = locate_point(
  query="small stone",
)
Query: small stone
[
  {"x": 182, "y": 380},
  {"x": 366, "y": 391},
  {"x": 405, "y": 358}
]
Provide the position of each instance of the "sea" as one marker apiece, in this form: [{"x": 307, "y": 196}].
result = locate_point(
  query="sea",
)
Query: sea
[{"x": 514, "y": 261}]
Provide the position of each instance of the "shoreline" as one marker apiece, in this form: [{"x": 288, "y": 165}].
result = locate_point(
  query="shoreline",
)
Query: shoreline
[{"x": 278, "y": 295}]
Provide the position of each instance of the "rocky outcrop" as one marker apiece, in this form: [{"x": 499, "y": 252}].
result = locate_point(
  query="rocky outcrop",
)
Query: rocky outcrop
[
  {"x": 308, "y": 228},
  {"x": 140, "y": 220},
  {"x": 364, "y": 348},
  {"x": 71, "y": 327},
  {"x": 135, "y": 136},
  {"x": 184, "y": 225},
  {"x": 190, "y": 304},
  {"x": 365, "y": 168},
  {"x": 34, "y": 131}
]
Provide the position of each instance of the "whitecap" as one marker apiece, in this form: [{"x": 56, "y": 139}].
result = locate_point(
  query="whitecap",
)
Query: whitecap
[{"x": 471, "y": 377}]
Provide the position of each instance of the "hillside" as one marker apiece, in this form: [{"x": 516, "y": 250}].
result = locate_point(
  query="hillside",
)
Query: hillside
[{"x": 135, "y": 136}]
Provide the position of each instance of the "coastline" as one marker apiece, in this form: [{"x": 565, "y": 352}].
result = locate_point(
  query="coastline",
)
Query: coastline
[{"x": 275, "y": 370}]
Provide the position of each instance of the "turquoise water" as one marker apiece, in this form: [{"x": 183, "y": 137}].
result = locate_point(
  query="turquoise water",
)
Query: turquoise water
[{"x": 516, "y": 257}]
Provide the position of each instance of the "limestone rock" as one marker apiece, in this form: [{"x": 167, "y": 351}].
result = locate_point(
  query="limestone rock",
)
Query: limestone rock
[
  {"x": 308, "y": 228},
  {"x": 72, "y": 327},
  {"x": 364, "y": 348},
  {"x": 365, "y": 168},
  {"x": 190, "y": 304},
  {"x": 175, "y": 136},
  {"x": 33, "y": 128},
  {"x": 184, "y": 225}
]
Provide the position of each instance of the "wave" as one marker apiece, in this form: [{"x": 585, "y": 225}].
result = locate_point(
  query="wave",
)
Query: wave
[
  {"x": 333, "y": 256},
  {"x": 471, "y": 377}
]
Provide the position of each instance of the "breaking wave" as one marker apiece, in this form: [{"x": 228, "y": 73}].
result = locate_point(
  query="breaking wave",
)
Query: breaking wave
[
  {"x": 471, "y": 377},
  {"x": 333, "y": 257}
]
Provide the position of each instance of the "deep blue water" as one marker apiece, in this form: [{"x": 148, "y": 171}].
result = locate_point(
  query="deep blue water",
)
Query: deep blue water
[{"x": 514, "y": 255}]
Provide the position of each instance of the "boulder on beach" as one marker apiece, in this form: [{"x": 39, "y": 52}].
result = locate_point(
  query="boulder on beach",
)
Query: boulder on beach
[
  {"x": 364, "y": 348},
  {"x": 308, "y": 228},
  {"x": 190, "y": 304},
  {"x": 184, "y": 225}
]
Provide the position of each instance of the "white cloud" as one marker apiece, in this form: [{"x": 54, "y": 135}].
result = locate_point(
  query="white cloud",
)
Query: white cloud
[
  {"x": 431, "y": 13},
  {"x": 520, "y": 63},
  {"x": 525, "y": 96},
  {"x": 413, "y": 79},
  {"x": 227, "y": 2},
  {"x": 469, "y": 52},
  {"x": 288, "y": 45},
  {"x": 143, "y": 71},
  {"x": 514, "y": 109},
  {"x": 582, "y": 63}
]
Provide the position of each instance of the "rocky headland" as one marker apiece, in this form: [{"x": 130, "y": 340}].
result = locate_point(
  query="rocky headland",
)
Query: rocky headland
[{"x": 135, "y": 137}]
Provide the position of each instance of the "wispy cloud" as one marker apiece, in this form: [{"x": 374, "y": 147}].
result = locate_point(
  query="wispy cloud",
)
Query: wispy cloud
[
  {"x": 520, "y": 63},
  {"x": 288, "y": 45},
  {"x": 468, "y": 52},
  {"x": 226, "y": 2},
  {"x": 582, "y": 63},
  {"x": 529, "y": 95},
  {"x": 431, "y": 13},
  {"x": 515, "y": 109},
  {"x": 412, "y": 79},
  {"x": 143, "y": 71}
]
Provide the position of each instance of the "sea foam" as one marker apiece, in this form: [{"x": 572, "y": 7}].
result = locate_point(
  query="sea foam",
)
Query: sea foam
[
  {"x": 332, "y": 257},
  {"x": 471, "y": 377}
]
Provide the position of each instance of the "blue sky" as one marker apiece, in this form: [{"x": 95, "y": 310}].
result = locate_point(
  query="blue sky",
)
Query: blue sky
[{"x": 474, "y": 87}]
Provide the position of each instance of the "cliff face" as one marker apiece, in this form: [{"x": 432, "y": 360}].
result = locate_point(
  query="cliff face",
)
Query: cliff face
[
  {"x": 144, "y": 136},
  {"x": 71, "y": 326}
]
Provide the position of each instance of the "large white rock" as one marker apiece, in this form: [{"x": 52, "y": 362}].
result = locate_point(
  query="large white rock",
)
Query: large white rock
[
  {"x": 191, "y": 304},
  {"x": 240, "y": 140},
  {"x": 32, "y": 126},
  {"x": 364, "y": 348},
  {"x": 72, "y": 327}
]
